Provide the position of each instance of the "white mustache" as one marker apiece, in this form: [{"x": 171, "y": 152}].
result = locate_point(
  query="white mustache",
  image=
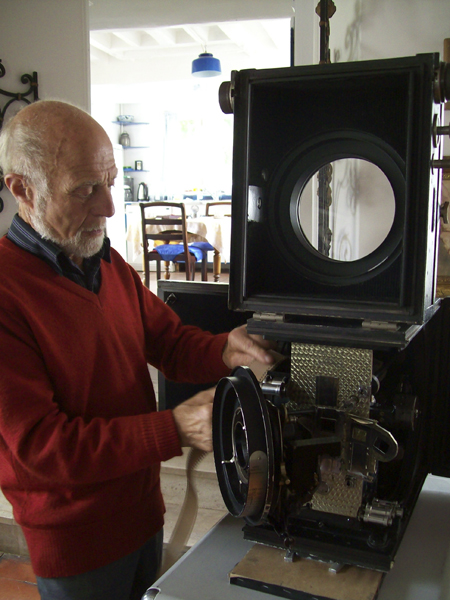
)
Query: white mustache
[{"x": 95, "y": 228}]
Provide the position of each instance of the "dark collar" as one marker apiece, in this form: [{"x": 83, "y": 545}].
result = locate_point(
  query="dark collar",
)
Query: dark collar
[{"x": 29, "y": 239}]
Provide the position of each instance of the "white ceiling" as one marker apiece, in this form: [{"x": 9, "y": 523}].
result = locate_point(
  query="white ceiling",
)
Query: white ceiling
[{"x": 224, "y": 39}]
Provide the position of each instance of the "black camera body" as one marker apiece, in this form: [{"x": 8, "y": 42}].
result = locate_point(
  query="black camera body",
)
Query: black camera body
[{"x": 335, "y": 231}]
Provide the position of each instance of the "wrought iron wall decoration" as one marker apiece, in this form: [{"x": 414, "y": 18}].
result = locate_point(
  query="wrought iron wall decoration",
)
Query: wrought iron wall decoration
[
  {"x": 325, "y": 9},
  {"x": 31, "y": 92}
]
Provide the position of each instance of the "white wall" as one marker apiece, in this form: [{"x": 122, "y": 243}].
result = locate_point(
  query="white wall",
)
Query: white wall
[
  {"x": 403, "y": 27},
  {"x": 52, "y": 38},
  {"x": 372, "y": 29}
]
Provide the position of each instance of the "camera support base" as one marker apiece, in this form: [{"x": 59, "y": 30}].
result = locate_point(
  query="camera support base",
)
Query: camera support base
[{"x": 264, "y": 569}]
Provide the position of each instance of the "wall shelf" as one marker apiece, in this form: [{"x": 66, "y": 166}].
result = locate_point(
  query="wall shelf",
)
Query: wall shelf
[{"x": 134, "y": 177}]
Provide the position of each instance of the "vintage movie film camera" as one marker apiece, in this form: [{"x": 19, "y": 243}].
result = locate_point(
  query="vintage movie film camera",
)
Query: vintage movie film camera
[{"x": 336, "y": 188}]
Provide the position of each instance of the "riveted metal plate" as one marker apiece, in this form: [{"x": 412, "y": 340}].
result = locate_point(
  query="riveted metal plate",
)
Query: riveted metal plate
[{"x": 351, "y": 366}]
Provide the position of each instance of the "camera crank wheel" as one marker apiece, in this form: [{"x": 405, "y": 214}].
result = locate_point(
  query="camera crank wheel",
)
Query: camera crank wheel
[{"x": 244, "y": 452}]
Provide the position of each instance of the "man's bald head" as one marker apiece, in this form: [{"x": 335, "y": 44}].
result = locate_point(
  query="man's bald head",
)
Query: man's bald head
[{"x": 38, "y": 136}]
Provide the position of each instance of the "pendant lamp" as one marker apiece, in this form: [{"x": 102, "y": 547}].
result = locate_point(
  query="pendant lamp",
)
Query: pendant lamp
[{"x": 206, "y": 66}]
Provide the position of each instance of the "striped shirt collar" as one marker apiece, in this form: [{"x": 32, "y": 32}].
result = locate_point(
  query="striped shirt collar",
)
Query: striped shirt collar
[{"x": 29, "y": 239}]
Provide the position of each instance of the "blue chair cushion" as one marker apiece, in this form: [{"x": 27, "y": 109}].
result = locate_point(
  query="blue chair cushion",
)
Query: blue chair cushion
[
  {"x": 169, "y": 252},
  {"x": 205, "y": 246}
]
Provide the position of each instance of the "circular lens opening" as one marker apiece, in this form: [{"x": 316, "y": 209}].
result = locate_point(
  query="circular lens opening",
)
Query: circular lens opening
[{"x": 345, "y": 210}]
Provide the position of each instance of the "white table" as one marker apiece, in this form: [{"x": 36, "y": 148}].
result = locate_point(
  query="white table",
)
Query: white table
[
  {"x": 421, "y": 570},
  {"x": 215, "y": 230}
]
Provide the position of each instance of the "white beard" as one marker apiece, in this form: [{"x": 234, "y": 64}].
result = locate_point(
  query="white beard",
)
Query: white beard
[{"x": 74, "y": 246}]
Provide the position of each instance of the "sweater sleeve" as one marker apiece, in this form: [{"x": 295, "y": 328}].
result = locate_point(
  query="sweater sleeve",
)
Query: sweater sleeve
[{"x": 183, "y": 353}]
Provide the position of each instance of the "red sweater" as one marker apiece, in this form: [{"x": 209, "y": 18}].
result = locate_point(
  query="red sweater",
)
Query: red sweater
[{"x": 80, "y": 438}]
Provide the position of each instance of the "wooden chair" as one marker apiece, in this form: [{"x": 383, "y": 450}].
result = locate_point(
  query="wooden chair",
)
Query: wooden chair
[
  {"x": 168, "y": 251},
  {"x": 222, "y": 203}
]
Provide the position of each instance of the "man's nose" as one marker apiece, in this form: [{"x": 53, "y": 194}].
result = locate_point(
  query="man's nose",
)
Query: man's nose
[{"x": 104, "y": 205}]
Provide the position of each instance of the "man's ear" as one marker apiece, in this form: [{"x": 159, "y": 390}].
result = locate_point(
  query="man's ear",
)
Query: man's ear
[{"x": 20, "y": 189}]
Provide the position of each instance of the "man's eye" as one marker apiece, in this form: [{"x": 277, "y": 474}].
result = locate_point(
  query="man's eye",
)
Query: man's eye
[{"x": 84, "y": 191}]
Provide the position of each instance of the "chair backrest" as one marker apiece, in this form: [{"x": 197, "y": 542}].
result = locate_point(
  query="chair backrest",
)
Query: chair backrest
[
  {"x": 165, "y": 223},
  {"x": 225, "y": 204}
]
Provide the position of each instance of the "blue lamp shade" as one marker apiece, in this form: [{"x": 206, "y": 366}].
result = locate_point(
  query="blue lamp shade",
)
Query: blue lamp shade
[{"x": 206, "y": 66}]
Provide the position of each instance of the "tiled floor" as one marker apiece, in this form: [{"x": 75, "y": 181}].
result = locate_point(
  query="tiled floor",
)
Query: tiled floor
[{"x": 17, "y": 581}]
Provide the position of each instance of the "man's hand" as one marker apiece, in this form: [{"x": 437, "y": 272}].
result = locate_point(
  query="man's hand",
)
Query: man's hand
[
  {"x": 193, "y": 419},
  {"x": 242, "y": 349}
]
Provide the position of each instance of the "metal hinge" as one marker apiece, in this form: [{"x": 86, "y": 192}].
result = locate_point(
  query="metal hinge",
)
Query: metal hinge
[
  {"x": 383, "y": 325},
  {"x": 266, "y": 316}
]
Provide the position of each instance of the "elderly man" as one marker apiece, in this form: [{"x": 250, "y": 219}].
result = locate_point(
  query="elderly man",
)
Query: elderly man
[{"x": 81, "y": 441}]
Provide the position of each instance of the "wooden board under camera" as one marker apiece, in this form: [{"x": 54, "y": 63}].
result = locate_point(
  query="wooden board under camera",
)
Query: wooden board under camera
[{"x": 264, "y": 569}]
